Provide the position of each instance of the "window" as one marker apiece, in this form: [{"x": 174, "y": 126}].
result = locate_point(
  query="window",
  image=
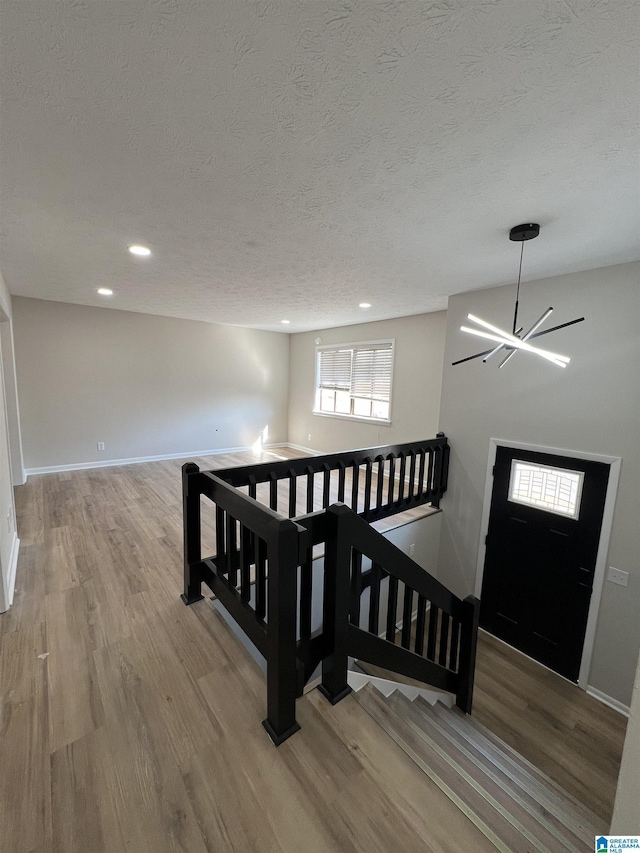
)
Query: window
[
  {"x": 553, "y": 489},
  {"x": 354, "y": 380}
]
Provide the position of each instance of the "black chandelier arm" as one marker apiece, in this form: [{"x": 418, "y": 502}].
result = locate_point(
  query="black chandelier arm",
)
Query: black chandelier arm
[
  {"x": 555, "y": 328},
  {"x": 471, "y": 357}
]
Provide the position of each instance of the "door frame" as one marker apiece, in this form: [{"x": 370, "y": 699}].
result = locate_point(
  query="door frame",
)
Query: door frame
[{"x": 614, "y": 463}]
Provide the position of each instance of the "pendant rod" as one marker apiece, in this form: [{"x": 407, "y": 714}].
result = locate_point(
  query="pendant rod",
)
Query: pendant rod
[{"x": 515, "y": 313}]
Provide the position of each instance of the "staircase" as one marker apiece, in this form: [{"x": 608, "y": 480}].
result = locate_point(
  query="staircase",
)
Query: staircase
[{"x": 517, "y": 807}]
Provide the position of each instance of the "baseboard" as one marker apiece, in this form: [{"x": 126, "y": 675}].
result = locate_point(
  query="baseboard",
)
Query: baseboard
[
  {"x": 111, "y": 463},
  {"x": 302, "y": 449},
  {"x": 9, "y": 589},
  {"x": 620, "y": 707}
]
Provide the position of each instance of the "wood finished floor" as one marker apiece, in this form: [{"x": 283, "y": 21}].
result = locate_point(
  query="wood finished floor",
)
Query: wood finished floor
[
  {"x": 572, "y": 737},
  {"x": 140, "y": 729}
]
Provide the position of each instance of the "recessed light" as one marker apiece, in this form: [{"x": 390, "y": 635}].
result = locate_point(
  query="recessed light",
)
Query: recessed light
[
  {"x": 104, "y": 291},
  {"x": 286, "y": 322},
  {"x": 140, "y": 251},
  {"x": 364, "y": 305}
]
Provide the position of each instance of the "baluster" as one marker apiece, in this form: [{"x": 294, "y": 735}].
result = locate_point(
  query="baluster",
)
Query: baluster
[
  {"x": 412, "y": 476},
  {"x": 261, "y": 578},
  {"x": 252, "y": 494},
  {"x": 221, "y": 554},
  {"x": 245, "y": 563},
  {"x": 444, "y": 639},
  {"x": 392, "y": 606},
  {"x": 392, "y": 480},
  {"x": 403, "y": 470},
  {"x": 420, "y": 622},
  {"x": 406, "y": 617},
  {"x": 341, "y": 479},
  {"x": 356, "y": 587},
  {"x": 374, "y": 599},
  {"x": 367, "y": 486},
  {"x": 355, "y": 477},
  {"x": 433, "y": 628},
  {"x": 273, "y": 491},
  {"x": 429, "y": 483},
  {"x": 309, "y": 472},
  {"x": 453, "y": 654},
  {"x": 293, "y": 488},
  {"x": 421, "y": 486},
  {"x": 306, "y": 594},
  {"x": 380, "y": 483},
  {"x": 232, "y": 551},
  {"x": 326, "y": 486}
]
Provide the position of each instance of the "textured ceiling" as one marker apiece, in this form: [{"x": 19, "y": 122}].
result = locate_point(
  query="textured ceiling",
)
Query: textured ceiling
[{"x": 292, "y": 159}]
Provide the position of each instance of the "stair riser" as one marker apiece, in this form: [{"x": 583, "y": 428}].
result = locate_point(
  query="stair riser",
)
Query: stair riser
[
  {"x": 578, "y": 818},
  {"x": 535, "y": 818},
  {"x": 518, "y": 814}
]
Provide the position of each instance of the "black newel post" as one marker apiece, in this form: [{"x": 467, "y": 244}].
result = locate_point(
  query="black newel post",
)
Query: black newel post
[
  {"x": 282, "y": 603},
  {"x": 191, "y": 527},
  {"x": 337, "y": 582},
  {"x": 468, "y": 646}
]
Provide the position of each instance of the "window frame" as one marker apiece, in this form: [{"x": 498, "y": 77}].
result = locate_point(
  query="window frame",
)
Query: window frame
[{"x": 353, "y": 345}]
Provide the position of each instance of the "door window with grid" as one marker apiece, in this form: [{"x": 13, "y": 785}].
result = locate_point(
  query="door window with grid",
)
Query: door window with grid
[{"x": 354, "y": 380}]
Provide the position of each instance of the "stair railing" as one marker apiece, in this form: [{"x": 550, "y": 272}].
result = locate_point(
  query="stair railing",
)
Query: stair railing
[
  {"x": 408, "y": 622},
  {"x": 375, "y": 482},
  {"x": 254, "y": 575},
  {"x": 262, "y": 573}
]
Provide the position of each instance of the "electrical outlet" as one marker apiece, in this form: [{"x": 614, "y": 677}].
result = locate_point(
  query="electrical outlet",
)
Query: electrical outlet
[
  {"x": 412, "y": 549},
  {"x": 309, "y": 437},
  {"x": 101, "y": 445},
  {"x": 618, "y": 576}
]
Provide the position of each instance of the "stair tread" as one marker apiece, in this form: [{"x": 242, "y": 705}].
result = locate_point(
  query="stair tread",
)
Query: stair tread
[
  {"x": 553, "y": 812},
  {"x": 527, "y": 773},
  {"x": 509, "y": 816}
]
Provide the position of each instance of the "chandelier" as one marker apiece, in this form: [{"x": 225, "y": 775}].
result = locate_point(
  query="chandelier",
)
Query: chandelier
[{"x": 511, "y": 342}]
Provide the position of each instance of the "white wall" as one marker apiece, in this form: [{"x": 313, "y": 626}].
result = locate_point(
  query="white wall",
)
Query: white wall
[
  {"x": 8, "y": 532},
  {"x": 143, "y": 384},
  {"x": 626, "y": 812},
  {"x": 592, "y": 406},
  {"x": 416, "y": 385}
]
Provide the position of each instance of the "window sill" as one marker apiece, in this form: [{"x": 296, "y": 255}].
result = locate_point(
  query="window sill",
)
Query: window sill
[{"x": 362, "y": 420}]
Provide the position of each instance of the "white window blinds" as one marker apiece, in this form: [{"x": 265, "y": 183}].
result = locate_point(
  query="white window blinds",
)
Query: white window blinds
[
  {"x": 371, "y": 372},
  {"x": 355, "y": 380},
  {"x": 335, "y": 369}
]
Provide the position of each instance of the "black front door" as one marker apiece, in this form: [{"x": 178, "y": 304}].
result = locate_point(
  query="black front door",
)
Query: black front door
[{"x": 539, "y": 564}]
